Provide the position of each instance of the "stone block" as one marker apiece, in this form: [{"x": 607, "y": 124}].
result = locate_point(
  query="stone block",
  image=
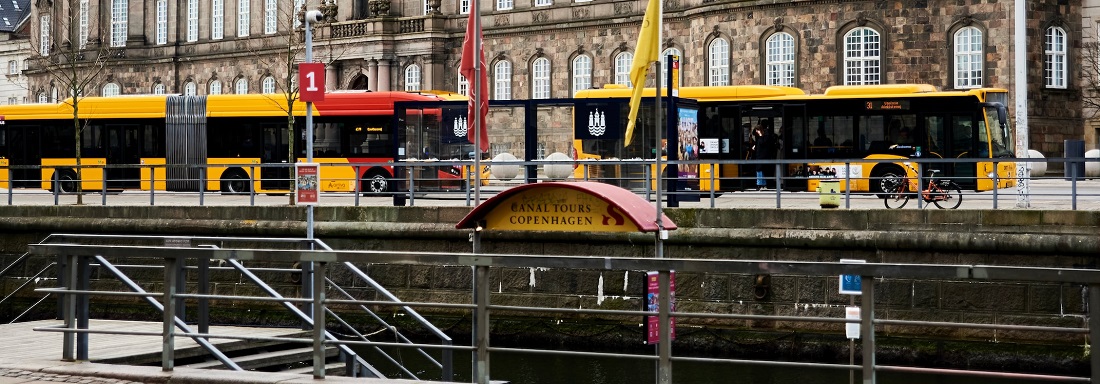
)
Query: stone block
[{"x": 1000, "y": 297}]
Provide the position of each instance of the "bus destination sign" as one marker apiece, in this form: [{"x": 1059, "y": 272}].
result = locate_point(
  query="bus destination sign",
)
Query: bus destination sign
[{"x": 887, "y": 105}]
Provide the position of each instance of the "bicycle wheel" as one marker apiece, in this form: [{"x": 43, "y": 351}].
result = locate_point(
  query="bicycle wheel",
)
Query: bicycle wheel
[
  {"x": 896, "y": 194},
  {"x": 949, "y": 195}
]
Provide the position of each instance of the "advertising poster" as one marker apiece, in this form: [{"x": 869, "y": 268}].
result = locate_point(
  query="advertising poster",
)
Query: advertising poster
[
  {"x": 306, "y": 183},
  {"x": 688, "y": 135},
  {"x": 652, "y": 298}
]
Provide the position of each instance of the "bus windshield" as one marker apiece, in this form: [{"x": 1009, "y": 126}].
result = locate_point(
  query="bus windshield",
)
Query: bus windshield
[{"x": 1000, "y": 134}]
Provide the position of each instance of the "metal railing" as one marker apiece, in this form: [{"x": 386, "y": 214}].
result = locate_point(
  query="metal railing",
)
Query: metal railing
[
  {"x": 482, "y": 304},
  {"x": 1056, "y": 191},
  {"x": 75, "y": 275}
]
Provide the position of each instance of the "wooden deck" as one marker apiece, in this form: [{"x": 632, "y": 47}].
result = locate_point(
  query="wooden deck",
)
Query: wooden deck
[{"x": 20, "y": 341}]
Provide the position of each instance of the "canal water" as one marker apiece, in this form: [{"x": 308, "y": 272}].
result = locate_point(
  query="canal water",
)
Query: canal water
[{"x": 523, "y": 368}]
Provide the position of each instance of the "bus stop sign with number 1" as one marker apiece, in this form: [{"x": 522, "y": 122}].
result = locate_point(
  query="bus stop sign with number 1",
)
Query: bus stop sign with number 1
[{"x": 311, "y": 82}]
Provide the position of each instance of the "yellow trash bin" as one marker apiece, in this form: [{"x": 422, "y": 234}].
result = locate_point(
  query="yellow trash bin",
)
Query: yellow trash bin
[{"x": 829, "y": 192}]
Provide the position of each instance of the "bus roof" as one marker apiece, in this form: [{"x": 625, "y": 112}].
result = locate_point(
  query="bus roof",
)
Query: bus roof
[{"x": 730, "y": 92}]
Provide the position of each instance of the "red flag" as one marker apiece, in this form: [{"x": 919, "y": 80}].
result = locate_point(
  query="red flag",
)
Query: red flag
[{"x": 478, "y": 95}]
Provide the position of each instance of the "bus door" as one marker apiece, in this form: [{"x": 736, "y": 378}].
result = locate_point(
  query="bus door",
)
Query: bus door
[
  {"x": 794, "y": 141},
  {"x": 770, "y": 115},
  {"x": 275, "y": 146},
  {"x": 22, "y": 149},
  {"x": 964, "y": 145},
  {"x": 123, "y": 151},
  {"x": 719, "y": 139}
]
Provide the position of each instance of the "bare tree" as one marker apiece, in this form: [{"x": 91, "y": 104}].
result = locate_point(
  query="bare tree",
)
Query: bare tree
[
  {"x": 283, "y": 52},
  {"x": 65, "y": 54},
  {"x": 1090, "y": 79}
]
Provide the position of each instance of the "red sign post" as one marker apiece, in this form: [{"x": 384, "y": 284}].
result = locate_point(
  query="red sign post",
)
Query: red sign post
[
  {"x": 307, "y": 183},
  {"x": 311, "y": 82}
]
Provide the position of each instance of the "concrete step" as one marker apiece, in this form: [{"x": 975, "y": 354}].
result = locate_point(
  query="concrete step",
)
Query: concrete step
[{"x": 261, "y": 360}]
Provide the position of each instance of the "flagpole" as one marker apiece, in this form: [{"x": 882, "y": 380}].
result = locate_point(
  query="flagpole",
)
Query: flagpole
[
  {"x": 659, "y": 245},
  {"x": 477, "y": 100}
]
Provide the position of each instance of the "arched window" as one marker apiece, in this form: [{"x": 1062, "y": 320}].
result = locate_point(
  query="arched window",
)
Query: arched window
[
  {"x": 215, "y": 87},
  {"x": 540, "y": 78},
  {"x": 412, "y": 78},
  {"x": 502, "y": 80},
  {"x": 780, "y": 59},
  {"x": 53, "y": 94},
  {"x": 464, "y": 86},
  {"x": 582, "y": 73},
  {"x": 111, "y": 89},
  {"x": 189, "y": 88},
  {"x": 158, "y": 89},
  {"x": 42, "y": 98},
  {"x": 622, "y": 68},
  {"x": 968, "y": 58},
  {"x": 1054, "y": 68},
  {"x": 862, "y": 50},
  {"x": 268, "y": 86},
  {"x": 241, "y": 86},
  {"x": 664, "y": 64},
  {"x": 718, "y": 55}
]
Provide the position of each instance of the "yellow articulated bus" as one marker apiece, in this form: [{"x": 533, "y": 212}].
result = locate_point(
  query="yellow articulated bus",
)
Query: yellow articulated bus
[
  {"x": 862, "y": 127},
  {"x": 216, "y": 143}
]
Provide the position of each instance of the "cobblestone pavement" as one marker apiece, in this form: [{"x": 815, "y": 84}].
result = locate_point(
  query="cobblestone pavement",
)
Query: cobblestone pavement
[{"x": 14, "y": 376}]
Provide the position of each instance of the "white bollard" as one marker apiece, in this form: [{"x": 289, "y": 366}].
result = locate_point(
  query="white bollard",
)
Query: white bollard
[
  {"x": 1039, "y": 168},
  {"x": 504, "y": 172},
  {"x": 1092, "y": 163},
  {"x": 561, "y": 169}
]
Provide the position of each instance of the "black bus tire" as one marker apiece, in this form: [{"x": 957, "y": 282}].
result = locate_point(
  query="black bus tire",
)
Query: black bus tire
[
  {"x": 235, "y": 182},
  {"x": 879, "y": 176},
  {"x": 376, "y": 183},
  {"x": 66, "y": 181}
]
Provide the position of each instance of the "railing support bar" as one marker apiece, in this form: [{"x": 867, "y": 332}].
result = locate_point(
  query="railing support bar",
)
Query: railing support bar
[
  {"x": 319, "y": 320},
  {"x": 664, "y": 334},
  {"x": 1094, "y": 329},
  {"x": 481, "y": 298},
  {"x": 68, "y": 347},
  {"x": 867, "y": 328},
  {"x": 84, "y": 274},
  {"x": 171, "y": 278}
]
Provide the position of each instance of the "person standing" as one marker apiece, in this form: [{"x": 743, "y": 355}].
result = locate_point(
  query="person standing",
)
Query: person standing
[{"x": 765, "y": 145}]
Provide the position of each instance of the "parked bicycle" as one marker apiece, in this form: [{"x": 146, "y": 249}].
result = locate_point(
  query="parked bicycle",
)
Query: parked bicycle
[{"x": 945, "y": 194}]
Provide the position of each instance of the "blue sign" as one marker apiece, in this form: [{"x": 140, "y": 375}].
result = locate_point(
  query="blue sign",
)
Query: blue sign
[{"x": 851, "y": 285}]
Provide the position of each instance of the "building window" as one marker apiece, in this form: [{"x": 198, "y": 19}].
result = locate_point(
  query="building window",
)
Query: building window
[
  {"x": 504, "y": 5},
  {"x": 271, "y": 14},
  {"x": 42, "y": 97},
  {"x": 464, "y": 85},
  {"x": 189, "y": 88},
  {"x": 162, "y": 22},
  {"x": 268, "y": 86},
  {"x": 215, "y": 87},
  {"x": 118, "y": 23},
  {"x": 780, "y": 59},
  {"x": 298, "y": 4},
  {"x": 217, "y": 19},
  {"x": 719, "y": 60},
  {"x": 111, "y": 89},
  {"x": 44, "y": 35},
  {"x": 53, "y": 94},
  {"x": 464, "y": 7},
  {"x": 158, "y": 89},
  {"x": 242, "y": 86},
  {"x": 622, "y": 68},
  {"x": 192, "y": 20},
  {"x": 968, "y": 58},
  {"x": 862, "y": 47},
  {"x": 540, "y": 78},
  {"x": 544, "y": 3},
  {"x": 13, "y": 68},
  {"x": 582, "y": 73},
  {"x": 664, "y": 64},
  {"x": 243, "y": 17},
  {"x": 412, "y": 78},
  {"x": 502, "y": 81},
  {"x": 83, "y": 43},
  {"x": 1054, "y": 68}
]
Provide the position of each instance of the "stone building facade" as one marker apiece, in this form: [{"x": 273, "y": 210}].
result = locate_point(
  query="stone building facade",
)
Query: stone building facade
[{"x": 184, "y": 46}]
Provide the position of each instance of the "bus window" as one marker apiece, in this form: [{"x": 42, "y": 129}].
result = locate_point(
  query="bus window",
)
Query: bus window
[
  {"x": 1000, "y": 136},
  {"x": 934, "y": 137},
  {"x": 92, "y": 141},
  {"x": 962, "y": 138},
  {"x": 326, "y": 139},
  {"x": 872, "y": 131}
]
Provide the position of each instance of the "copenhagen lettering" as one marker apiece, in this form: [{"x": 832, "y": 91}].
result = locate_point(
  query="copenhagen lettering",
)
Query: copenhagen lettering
[
  {"x": 550, "y": 214},
  {"x": 549, "y": 220}
]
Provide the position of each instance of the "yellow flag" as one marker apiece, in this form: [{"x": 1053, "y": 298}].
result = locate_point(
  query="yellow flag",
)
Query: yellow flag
[{"x": 645, "y": 53}]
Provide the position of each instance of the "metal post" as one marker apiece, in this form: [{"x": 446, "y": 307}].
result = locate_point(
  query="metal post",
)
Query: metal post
[
  {"x": 251, "y": 191},
  {"x": 996, "y": 185},
  {"x": 11, "y": 185},
  {"x": 920, "y": 186},
  {"x": 152, "y": 185},
  {"x": 319, "y": 320},
  {"x": 56, "y": 186},
  {"x": 181, "y": 286},
  {"x": 84, "y": 274},
  {"x": 664, "y": 346},
  {"x": 481, "y": 299},
  {"x": 68, "y": 347},
  {"x": 167, "y": 359},
  {"x": 1094, "y": 328},
  {"x": 867, "y": 328},
  {"x": 847, "y": 185},
  {"x": 648, "y": 191},
  {"x": 1020, "y": 83},
  {"x": 778, "y": 188},
  {"x": 412, "y": 196},
  {"x": 202, "y": 185},
  {"x": 204, "y": 289},
  {"x": 713, "y": 170},
  {"x": 103, "y": 187},
  {"x": 358, "y": 177}
]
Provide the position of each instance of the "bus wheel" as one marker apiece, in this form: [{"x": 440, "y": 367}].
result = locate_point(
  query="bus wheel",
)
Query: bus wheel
[
  {"x": 375, "y": 183},
  {"x": 235, "y": 183},
  {"x": 883, "y": 177},
  {"x": 66, "y": 182}
]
